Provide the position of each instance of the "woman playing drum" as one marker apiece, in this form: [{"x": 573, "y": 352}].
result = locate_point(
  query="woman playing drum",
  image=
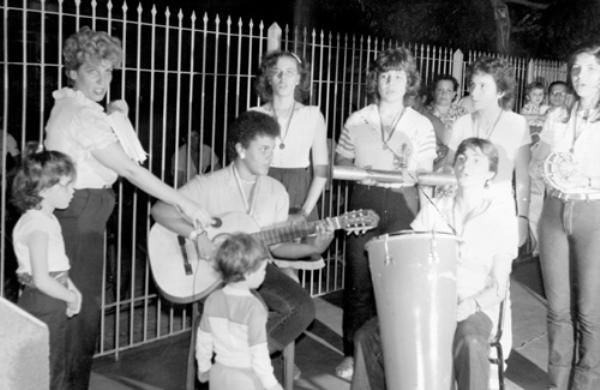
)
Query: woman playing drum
[
  {"x": 489, "y": 243},
  {"x": 569, "y": 229}
]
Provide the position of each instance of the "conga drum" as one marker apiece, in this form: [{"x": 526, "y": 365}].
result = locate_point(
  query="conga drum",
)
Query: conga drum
[{"x": 414, "y": 278}]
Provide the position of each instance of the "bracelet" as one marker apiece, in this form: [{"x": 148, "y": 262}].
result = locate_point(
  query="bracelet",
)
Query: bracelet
[{"x": 523, "y": 216}]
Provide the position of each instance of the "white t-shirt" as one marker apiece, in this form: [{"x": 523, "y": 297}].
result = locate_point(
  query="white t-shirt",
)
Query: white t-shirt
[
  {"x": 508, "y": 135},
  {"x": 76, "y": 127},
  {"x": 298, "y": 137},
  {"x": 37, "y": 221},
  {"x": 490, "y": 233},
  {"x": 218, "y": 192},
  {"x": 413, "y": 140}
]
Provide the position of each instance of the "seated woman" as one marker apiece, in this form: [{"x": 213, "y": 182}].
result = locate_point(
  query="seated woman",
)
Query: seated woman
[{"x": 489, "y": 244}]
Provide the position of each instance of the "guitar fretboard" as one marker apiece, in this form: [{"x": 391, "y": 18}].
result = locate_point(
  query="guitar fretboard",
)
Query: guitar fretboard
[{"x": 291, "y": 232}]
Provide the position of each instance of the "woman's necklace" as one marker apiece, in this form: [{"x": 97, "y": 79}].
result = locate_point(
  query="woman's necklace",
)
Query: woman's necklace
[
  {"x": 287, "y": 127},
  {"x": 395, "y": 121},
  {"x": 490, "y": 130}
]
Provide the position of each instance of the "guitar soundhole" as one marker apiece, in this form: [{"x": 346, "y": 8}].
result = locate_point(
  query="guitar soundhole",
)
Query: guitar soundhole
[{"x": 217, "y": 223}]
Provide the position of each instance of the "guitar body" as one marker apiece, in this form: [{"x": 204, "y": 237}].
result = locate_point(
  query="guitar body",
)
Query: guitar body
[
  {"x": 182, "y": 276},
  {"x": 167, "y": 260}
]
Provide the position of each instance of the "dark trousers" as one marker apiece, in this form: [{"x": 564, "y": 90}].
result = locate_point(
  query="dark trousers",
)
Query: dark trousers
[
  {"x": 83, "y": 224},
  {"x": 291, "y": 309},
  {"x": 396, "y": 211},
  {"x": 53, "y": 313},
  {"x": 569, "y": 258},
  {"x": 470, "y": 350}
]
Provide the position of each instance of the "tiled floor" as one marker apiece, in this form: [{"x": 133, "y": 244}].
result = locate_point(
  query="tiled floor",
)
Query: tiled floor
[{"x": 162, "y": 365}]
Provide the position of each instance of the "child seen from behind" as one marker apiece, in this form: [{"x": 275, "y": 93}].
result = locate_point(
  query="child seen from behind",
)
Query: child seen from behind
[{"x": 233, "y": 323}]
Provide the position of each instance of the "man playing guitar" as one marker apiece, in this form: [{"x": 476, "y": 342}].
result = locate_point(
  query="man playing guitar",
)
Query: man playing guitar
[{"x": 244, "y": 187}]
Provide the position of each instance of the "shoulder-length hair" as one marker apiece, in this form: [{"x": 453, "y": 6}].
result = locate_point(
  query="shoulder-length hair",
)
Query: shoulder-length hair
[
  {"x": 504, "y": 77},
  {"x": 398, "y": 58},
  {"x": 263, "y": 85}
]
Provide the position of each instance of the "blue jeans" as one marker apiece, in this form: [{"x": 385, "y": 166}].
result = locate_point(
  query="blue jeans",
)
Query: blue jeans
[
  {"x": 470, "y": 350},
  {"x": 396, "y": 211},
  {"x": 291, "y": 309},
  {"x": 570, "y": 262}
]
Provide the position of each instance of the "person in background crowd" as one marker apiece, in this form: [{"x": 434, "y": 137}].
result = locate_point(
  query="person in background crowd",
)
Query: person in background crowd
[
  {"x": 385, "y": 135},
  {"x": 557, "y": 94},
  {"x": 188, "y": 158},
  {"x": 79, "y": 127},
  {"x": 535, "y": 113},
  {"x": 444, "y": 106},
  {"x": 534, "y": 110}
]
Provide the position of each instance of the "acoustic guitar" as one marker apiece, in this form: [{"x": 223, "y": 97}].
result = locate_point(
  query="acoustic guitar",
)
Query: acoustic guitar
[{"x": 183, "y": 276}]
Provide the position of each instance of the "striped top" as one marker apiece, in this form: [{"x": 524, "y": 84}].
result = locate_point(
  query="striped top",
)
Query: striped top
[
  {"x": 413, "y": 140},
  {"x": 234, "y": 324}
]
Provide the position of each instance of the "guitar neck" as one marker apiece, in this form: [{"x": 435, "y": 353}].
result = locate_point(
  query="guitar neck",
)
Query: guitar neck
[{"x": 291, "y": 232}]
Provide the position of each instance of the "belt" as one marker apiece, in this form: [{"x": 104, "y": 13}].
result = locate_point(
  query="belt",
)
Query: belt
[
  {"x": 60, "y": 276},
  {"x": 579, "y": 196}
]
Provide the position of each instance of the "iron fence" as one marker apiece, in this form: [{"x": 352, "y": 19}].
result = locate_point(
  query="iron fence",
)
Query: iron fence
[{"x": 182, "y": 74}]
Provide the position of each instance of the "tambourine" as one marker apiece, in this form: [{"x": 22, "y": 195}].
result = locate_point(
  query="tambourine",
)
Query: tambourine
[{"x": 559, "y": 168}]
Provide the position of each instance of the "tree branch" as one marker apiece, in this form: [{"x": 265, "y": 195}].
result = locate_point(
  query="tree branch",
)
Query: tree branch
[{"x": 529, "y": 4}]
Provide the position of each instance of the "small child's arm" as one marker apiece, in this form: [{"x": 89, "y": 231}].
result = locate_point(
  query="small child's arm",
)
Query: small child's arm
[
  {"x": 37, "y": 243},
  {"x": 204, "y": 349},
  {"x": 261, "y": 361}
]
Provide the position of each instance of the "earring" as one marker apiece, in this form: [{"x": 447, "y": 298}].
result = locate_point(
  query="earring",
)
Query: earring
[
  {"x": 242, "y": 155},
  {"x": 487, "y": 184}
]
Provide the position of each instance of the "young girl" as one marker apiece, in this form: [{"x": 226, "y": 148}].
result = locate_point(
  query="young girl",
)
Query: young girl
[
  {"x": 569, "y": 234},
  {"x": 234, "y": 321},
  {"x": 43, "y": 183}
]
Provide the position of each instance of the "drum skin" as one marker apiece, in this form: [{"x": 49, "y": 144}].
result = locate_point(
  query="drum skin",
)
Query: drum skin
[{"x": 414, "y": 278}]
